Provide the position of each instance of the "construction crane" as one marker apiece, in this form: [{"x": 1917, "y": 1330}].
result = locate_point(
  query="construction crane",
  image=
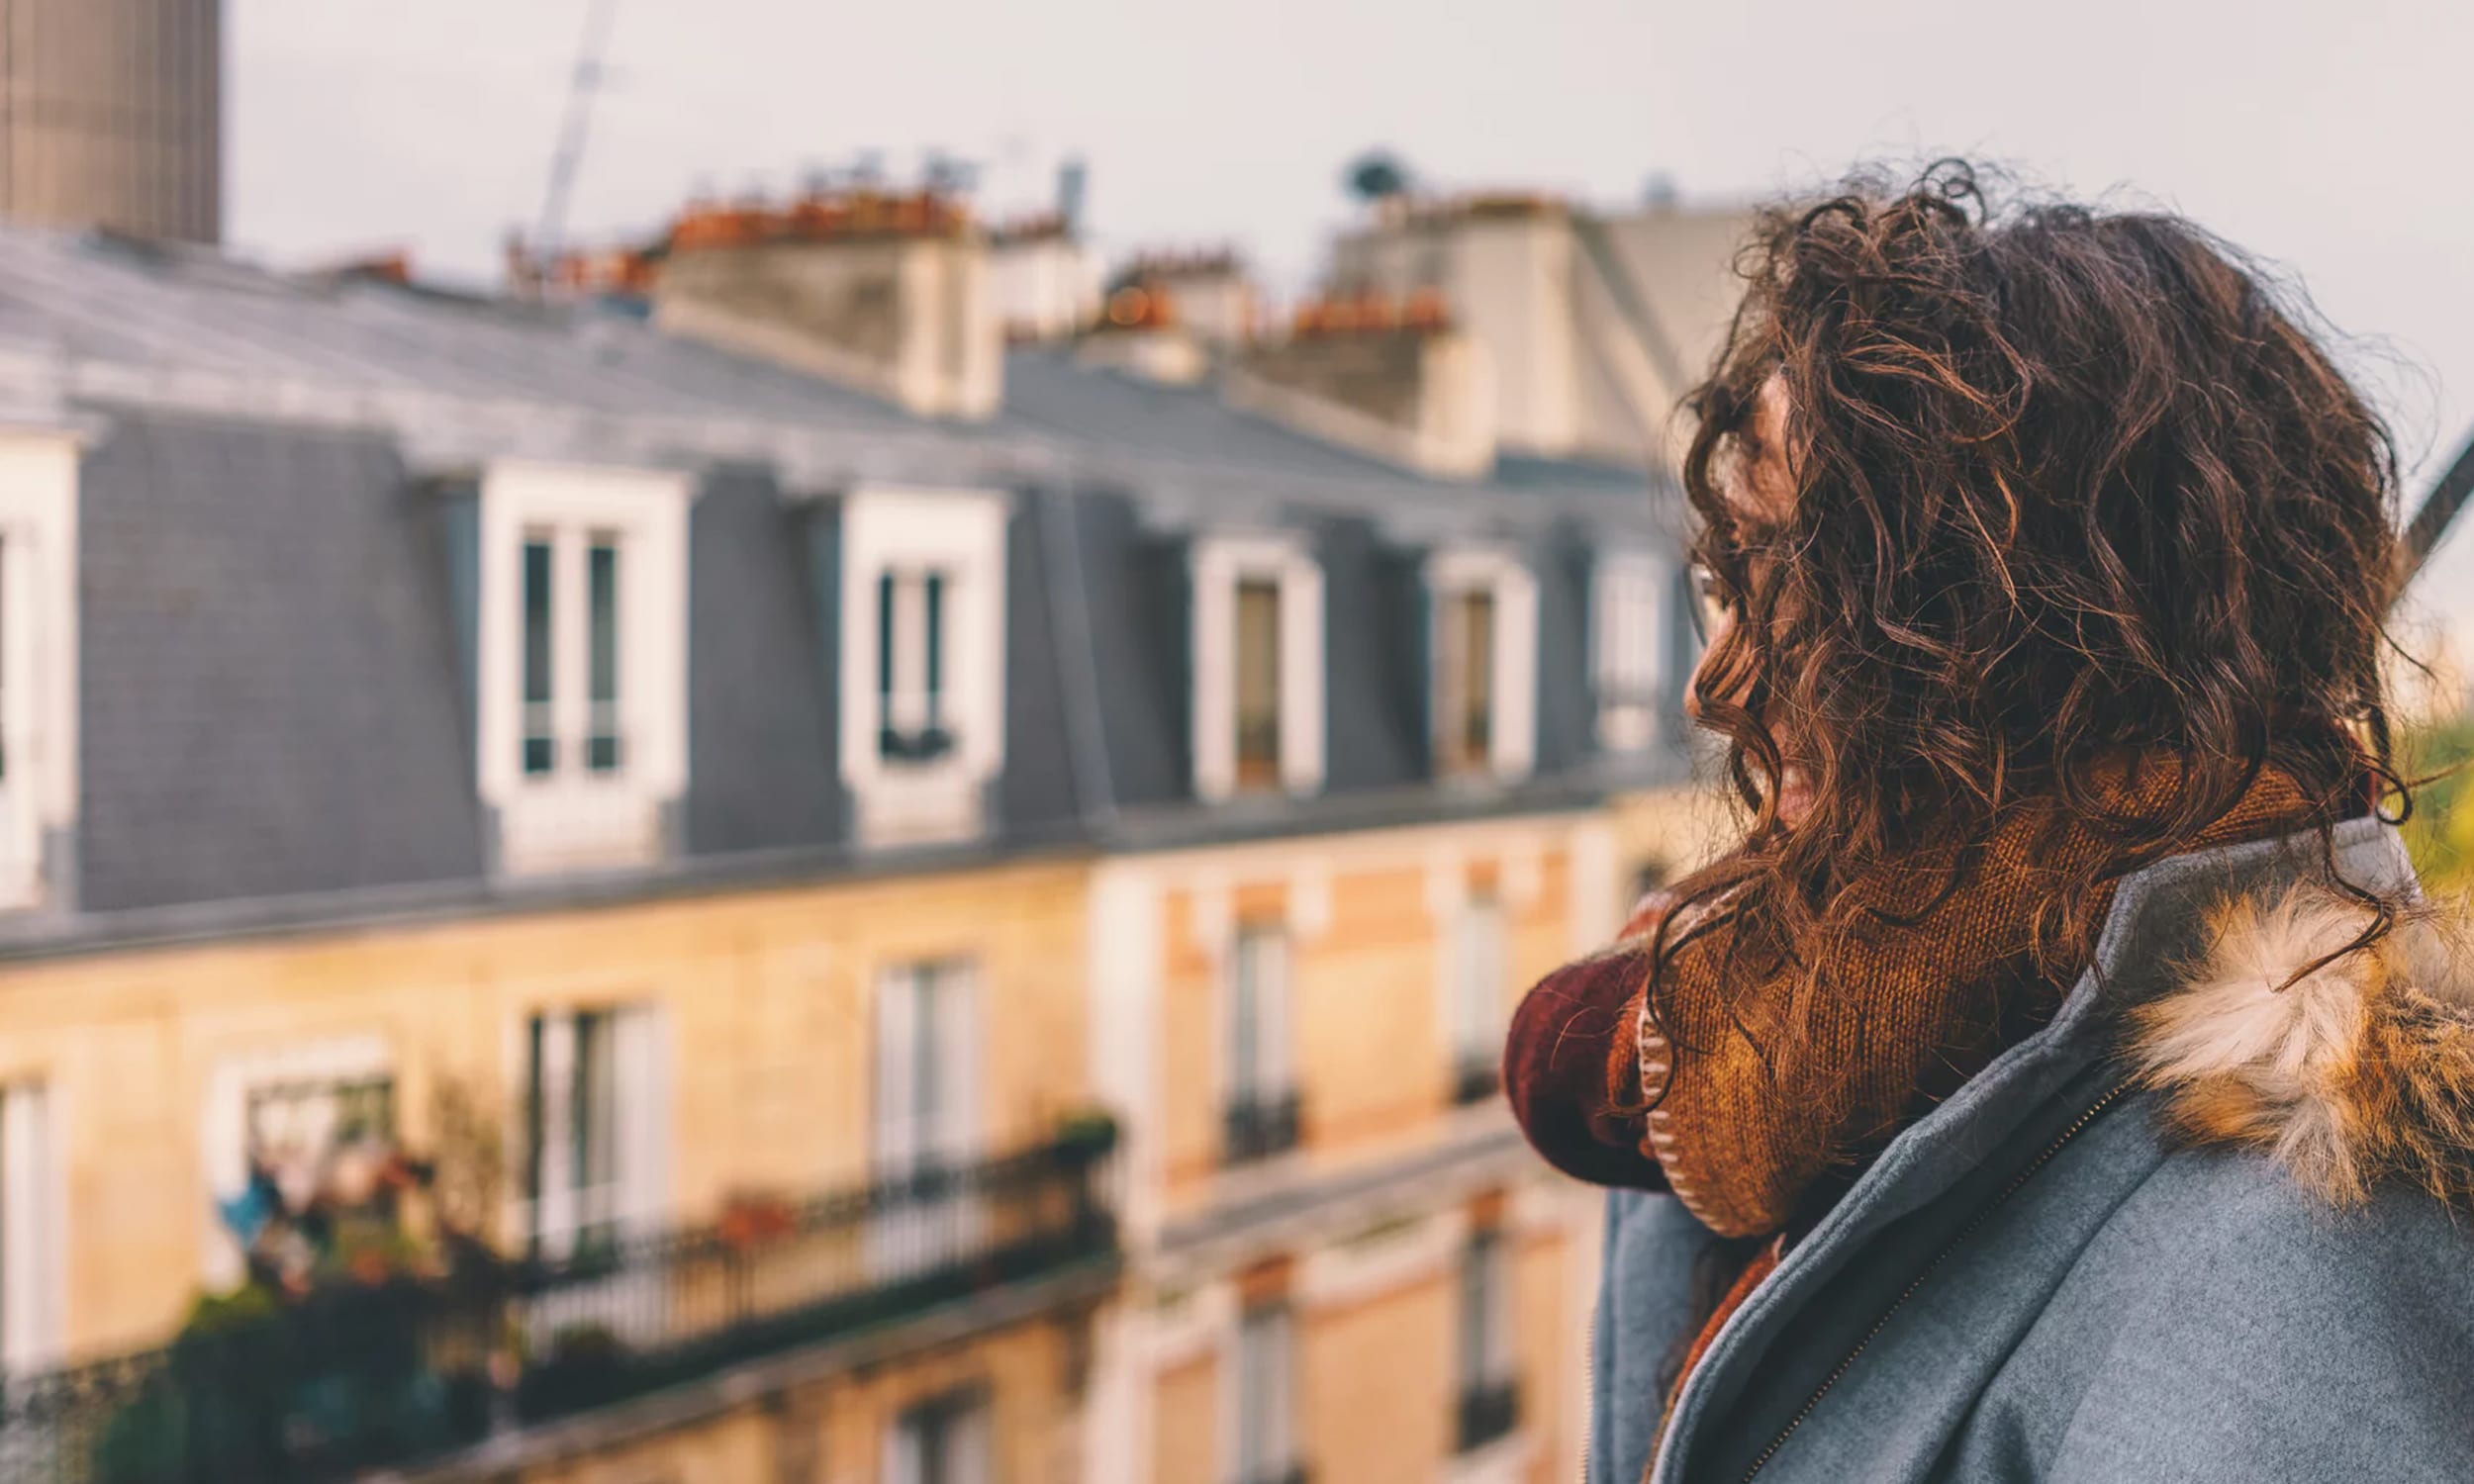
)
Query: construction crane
[
  {"x": 572, "y": 131},
  {"x": 2439, "y": 508}
]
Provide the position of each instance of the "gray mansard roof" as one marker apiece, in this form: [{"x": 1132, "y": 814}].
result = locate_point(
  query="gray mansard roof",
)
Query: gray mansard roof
[{"x": 276, "y": 723}]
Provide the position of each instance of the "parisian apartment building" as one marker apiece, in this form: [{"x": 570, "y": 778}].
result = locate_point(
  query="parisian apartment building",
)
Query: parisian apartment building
[{"x": 826, "y": 849}]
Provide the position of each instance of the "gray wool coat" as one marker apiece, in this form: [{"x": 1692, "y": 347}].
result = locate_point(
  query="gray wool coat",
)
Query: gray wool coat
[{"x": 2177, "y": 1235}]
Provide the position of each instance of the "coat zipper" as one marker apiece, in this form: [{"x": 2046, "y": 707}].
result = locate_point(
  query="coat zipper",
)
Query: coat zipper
[{"x": 1878, "y": 1325}]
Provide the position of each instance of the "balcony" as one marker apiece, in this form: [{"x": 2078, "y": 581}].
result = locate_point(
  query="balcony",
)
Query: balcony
[
  {"x": 1489, "y": 1412},
  {"x": 1257, "y": 1126},
  {"x": 1476, "y": 1079},
  {"x": 381, "y": 1375}
]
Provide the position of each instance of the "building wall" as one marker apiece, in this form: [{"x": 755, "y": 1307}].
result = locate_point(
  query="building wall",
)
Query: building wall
[
  {"x": 833, "y": 1431},
  {"x": 765, "y": 996},
  {"x": 111, "y": 115},
  {"x": 1375, "y": 1367},
  {"x": 1370, "y": 920}
]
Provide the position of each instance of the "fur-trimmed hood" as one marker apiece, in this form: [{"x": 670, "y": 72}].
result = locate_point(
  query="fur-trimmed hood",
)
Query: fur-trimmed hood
[{"x": 2359, "y": 1071}]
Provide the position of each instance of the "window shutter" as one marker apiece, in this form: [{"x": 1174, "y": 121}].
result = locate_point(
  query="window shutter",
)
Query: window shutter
[
  {"x": 897, "y": 1038},
  {"x": 642, "y": 1060},
  {"x": 1515, "y": 673},
  {"x": 969, "y": 1444},
  {"x": 30, "y": 1257},
  {"x": 1301, "y": 704},
  {"x": 959, "y": 1138}
]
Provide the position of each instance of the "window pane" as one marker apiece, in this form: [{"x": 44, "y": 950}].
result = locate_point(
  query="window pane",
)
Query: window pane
[
  {"x": 4, "y": 649},
  {"x": 601, "y": 589},
  {"x": 536, "y": 1122},
  {"x": 1250, "y": 969},
  {"x": 1258, "y": 684},
  {"x": 1477, "y": 689},
  {"x": 885, "y": 649},
  {"x": 541, "y": 747},
  {"x": 593, "y": 1125},
  {"x": 1481, "y": 977},
  {"x": 934, "y": 709}
]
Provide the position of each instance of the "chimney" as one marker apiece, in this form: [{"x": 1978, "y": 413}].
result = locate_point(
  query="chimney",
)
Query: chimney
[
  {"x": 1214, "y": 295},
  {"x": 1390, "y": 380},
  {"x": 888, "y": 294},
  {"x": 1141, "y": 334}
]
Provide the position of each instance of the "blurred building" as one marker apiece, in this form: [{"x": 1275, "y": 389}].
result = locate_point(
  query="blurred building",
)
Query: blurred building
[
  {"x": 1596, "y": 323},
  {"x": 112, "y": 115},
  {"x": 786, "y": 892}
]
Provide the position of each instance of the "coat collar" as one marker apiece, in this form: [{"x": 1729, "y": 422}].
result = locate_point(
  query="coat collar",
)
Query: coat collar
[{"x": 2159, "y": 926}]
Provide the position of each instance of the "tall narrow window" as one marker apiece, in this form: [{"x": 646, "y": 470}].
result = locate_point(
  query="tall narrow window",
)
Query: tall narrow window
[
  {"x": 943, "y": 1440},
  {"x": 585, "y": 1078},
  {"x": 1466, "y": 675},
  {"x": 602, "y": 735},
  {"x": 910, "y": 664},
  {"x": 927, "y": 1077},
  {"x": 1263, "y": 1429},
  {"x": 1489, "y": 1399},
  {"x": 1631, "y": 645},
  {"x": 1258, "y": 684},
  {"x": 7, "y": 683},
  {"x": 541, "y": 736},
  {"x": 1262, "y": 1111},
  {"x": 1477, "y": 980},
  {"x": 31, "y": 1276}
]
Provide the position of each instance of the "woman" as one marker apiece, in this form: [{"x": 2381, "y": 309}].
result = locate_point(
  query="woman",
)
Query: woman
[{"x": 2061, "y": 1081}]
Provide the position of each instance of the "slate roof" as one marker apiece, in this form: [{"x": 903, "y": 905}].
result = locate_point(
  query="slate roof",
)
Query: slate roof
[{"x": 275, "y": 720}]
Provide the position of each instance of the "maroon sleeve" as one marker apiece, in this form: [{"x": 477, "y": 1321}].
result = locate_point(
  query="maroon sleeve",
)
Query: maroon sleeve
[{"x": 1571, "y": 1061}]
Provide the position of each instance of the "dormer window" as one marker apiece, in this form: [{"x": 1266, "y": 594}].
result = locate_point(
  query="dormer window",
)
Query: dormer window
[
  {"x": 910, "y": 664},
  {"x": 1629, "y": 646},
  {"x": 1258, "y": 666},
  {"x": 596, "y": 741},
  {"x": 1484, "y": 679},
  {"x": 583, "y": 662},
  {"x": 1258, "y": 685},
  {"x": 923, "y": 658},
  {"x": 38, "y": 652}
]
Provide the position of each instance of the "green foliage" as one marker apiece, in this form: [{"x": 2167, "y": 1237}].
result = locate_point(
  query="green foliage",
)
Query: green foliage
[{"x": 2440, "y": 831}]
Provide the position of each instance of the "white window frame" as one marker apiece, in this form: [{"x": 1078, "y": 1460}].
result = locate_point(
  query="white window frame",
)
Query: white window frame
[
  {"x": 1261, "y": 1348},
  {"x": 1629, "y": 618},
  {"x": 573, "y": 818},
  {"x": 1274, "y": 1059},
  {"x": 960, "y": 1421},
  {"x": 1476, "y": 974},
  {"x": 960, "y": 534},
  {"x": 1217, "y": 564},
  {"x": 34, "y": 1228},
  {"x": 223, "y": 1127},
  {"x": 39, "y": 656},
  {"x": 906, "y": 1140},
  {"x": 1483, "y": 1284},
  {"x": 1512, "y": 724},
  {"x": 634, "y": 1199}
]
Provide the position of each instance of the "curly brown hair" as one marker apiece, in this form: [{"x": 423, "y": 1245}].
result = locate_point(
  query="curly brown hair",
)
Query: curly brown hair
[{"x": 2069, "y": 487}]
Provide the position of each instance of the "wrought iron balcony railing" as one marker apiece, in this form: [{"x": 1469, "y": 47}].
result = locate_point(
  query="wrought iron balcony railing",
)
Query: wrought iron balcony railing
[
  {"x": 362, "y": 1376},
  {"x": 1258, "y": 1124}
]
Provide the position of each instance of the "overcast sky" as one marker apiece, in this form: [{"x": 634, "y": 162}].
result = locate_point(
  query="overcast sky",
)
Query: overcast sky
[{"x": 2333, "y": 139}]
